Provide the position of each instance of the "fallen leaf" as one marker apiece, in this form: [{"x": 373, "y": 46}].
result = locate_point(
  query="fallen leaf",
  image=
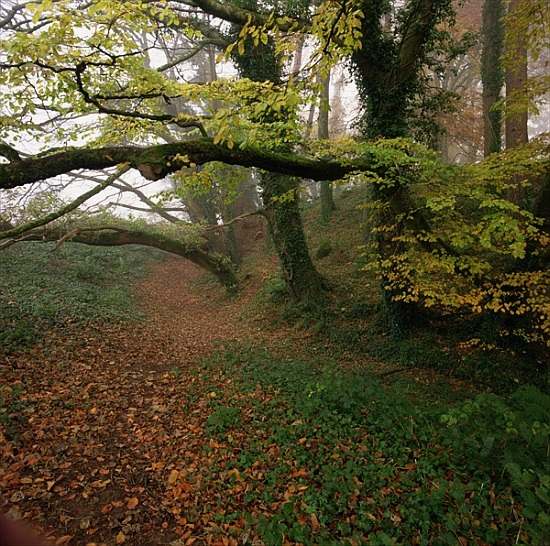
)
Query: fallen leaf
[
  {"x": 120, "y": 538},
  {"x": 132, "y": 503},
  {"x": 314, "y": 523},
  {"x": 173, "y": 477},
  {"x": 234, "y": 473}
]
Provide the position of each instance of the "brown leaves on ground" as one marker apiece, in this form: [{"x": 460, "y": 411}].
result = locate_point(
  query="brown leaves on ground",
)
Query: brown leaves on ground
[{"x": 104, "y": 438}]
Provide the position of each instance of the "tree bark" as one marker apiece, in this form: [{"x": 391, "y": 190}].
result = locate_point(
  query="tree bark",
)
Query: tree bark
[
  {"x": 516, "y": 78},
  {"x": 282, "y": 211},
  {"x": 387, "y": 75},
  {"x": 492, "y": 74},
  {"x": 516, "y": 132}
]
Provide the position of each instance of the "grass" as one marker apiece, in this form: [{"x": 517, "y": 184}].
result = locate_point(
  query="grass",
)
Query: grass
[{"x": 76, "y": 284}]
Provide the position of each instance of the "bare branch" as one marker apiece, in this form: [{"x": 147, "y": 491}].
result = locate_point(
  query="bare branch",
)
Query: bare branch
[{"x": 33, "y": 224}]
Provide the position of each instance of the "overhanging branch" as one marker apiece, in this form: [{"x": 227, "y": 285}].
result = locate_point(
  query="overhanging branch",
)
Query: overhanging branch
[{"x": 155, "y": 162}]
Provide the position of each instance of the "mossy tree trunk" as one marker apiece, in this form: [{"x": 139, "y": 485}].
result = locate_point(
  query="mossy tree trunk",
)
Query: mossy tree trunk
[
  {"x": 388, "y": 76},
  {"x": 282, "y": 211},
  {"x": 516, "y": 124},
  {"x": 280, "y": 193},
  {"x": 492, "y": 75},
  {"x": 516, "y": 79}
]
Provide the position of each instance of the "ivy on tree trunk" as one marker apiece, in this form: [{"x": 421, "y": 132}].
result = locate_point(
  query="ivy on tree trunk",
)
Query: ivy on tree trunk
[
  {"x": 281, "y": 196},
  {"x": 303, "y": 281}
]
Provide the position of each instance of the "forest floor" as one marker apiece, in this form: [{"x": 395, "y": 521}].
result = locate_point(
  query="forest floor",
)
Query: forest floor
[
  {"x": 212, "y": 422},
  {"x": 105, "y": 419}
]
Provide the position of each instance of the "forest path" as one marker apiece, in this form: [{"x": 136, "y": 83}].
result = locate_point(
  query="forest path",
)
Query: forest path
[{"x": 106, "y": 416}]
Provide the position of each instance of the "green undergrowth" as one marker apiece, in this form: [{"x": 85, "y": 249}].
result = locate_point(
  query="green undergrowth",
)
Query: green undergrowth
[
  {"x": 330, "y": 457},
  {"x": 41, "y": 288},
  {"x": 344, "y": 326},
  {"x": 352, "y": 319}
]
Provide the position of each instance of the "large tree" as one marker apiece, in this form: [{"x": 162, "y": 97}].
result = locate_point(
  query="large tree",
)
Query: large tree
[{"x": 62, "y": 70}]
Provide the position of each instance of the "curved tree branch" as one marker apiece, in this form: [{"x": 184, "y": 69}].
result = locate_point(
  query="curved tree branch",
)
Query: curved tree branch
[
  {"x": 216, "y": 264},
  {"x": 155, "y": 162},
  {"x": 235, "y": 14},
  {"x": 10, "y": 153}
]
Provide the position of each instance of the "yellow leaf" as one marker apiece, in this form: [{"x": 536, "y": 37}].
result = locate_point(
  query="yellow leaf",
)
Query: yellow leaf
[
  {"x": 314, "y": 523},
  {"x": 234, "y": 473},
  {"x": 132, "y": 503},
  {"x": 173, "y": 477},
  {"x": 120, "y": 538}
]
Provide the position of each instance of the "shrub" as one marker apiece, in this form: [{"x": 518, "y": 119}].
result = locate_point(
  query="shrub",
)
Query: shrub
[
  {"x": 323, "y": 250},
  {"x": 275, "y": 289}
]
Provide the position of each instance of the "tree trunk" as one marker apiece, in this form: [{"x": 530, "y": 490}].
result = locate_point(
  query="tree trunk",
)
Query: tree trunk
[
  {"x": 282, "y": 211},
  {"x": 492, "y": 74},
  {"x": 298, "y": 53},
  {"x": 280, "y": 195},
  {"x": 516, "y": 78},
  {"x": 327, "y": 198}
]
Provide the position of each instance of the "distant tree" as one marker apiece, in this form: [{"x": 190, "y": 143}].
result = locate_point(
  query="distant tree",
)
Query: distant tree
[
  {"x": 516, "y": 80},
  {"x": 492, "y": 73}
]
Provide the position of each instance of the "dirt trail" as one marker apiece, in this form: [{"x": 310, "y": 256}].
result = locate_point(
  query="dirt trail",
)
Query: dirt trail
[{"x": 106, "y": 417}]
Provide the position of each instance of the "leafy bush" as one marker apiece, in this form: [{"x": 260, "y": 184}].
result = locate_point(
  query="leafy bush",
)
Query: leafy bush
[
  {"x": 323, "y": 250},
  {"x": 482, "y": 256},
  {"x": 275, "y": 289}
]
